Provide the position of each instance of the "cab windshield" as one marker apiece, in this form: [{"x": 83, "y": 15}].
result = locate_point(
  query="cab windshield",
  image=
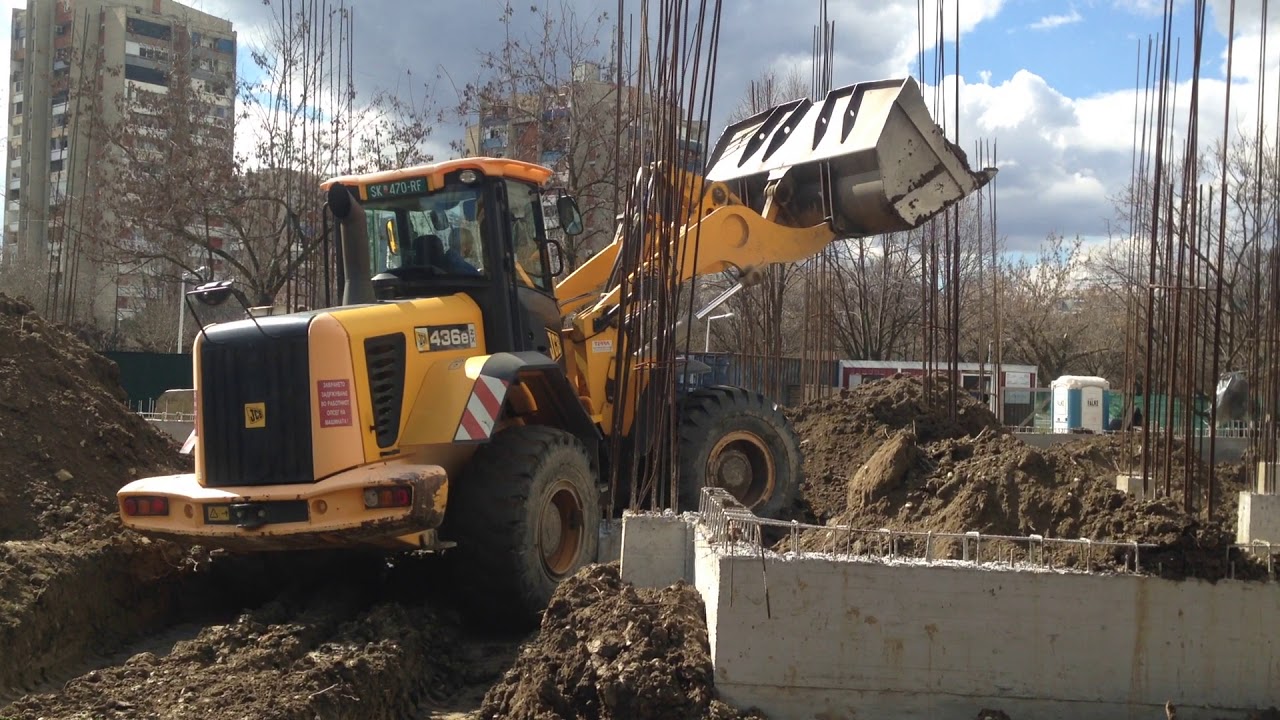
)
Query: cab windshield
[{"x": 437, "y": 233}]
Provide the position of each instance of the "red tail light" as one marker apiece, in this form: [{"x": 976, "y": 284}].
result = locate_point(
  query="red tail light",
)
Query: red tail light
[
  {"x": 388, "y": 497},
  {"x": 145, "y": 505}
]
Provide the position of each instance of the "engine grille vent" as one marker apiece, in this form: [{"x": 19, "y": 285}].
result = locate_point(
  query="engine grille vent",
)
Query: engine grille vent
[{"x": 384, "y": 356}]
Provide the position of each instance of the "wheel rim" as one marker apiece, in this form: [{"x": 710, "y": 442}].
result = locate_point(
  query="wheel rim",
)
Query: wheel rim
[
  {"x": 561, "y": 529},
  {"x": 741, "y": 464}
]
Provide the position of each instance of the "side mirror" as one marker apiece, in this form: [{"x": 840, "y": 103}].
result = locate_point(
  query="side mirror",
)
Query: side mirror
[
  {"x": 215, "y": 293},
  {"x": 555, "y": 258},
  {"x": 393, "y": 246},
  {"x": 570, "y": 216}
]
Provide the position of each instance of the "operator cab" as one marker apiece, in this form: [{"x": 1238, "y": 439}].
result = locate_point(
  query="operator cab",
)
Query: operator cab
[{"x": 474, "y": 226}]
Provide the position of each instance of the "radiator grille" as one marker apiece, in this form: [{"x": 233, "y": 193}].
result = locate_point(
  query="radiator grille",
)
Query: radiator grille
[
  {"x": 241, "y": 373},
  {"x": 384, "y": 356}
]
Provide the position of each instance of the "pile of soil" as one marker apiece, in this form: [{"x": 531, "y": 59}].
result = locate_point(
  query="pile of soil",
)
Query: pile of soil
[
  {"x": 339, "y": 649},
  {"x": 840, "y": 432},
  {"x": 608, "y": 650},
  {"x": 72, "y": 582},
  {"x": 871, "y": 463},
  {"x": 68, "y": 441}
]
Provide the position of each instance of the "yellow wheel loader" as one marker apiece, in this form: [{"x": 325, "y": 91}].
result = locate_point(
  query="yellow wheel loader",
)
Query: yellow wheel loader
[{"x": 460, "y": 397}]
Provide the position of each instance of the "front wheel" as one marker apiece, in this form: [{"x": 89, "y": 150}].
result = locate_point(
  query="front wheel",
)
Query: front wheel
[
  {"x": 740, "y": 441},
  {"x": 526, "y": 515}
]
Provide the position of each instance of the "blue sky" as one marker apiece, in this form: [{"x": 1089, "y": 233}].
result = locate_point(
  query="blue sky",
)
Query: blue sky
[
  {"x": 1080, "y": 49},
  {"x": 1050, "y": 80}
]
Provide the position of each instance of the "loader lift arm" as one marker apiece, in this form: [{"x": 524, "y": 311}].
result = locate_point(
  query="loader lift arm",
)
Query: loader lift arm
[{"x": 779, "y": 187}]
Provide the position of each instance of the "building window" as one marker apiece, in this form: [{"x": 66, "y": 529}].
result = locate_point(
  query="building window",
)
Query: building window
[
  {"x": 145, "y": 28},
  {"x": 146, "y": 75},
  {"x": 153, "y": 53},
  {"x": 17, "y": 108},
  {"x": 55, "y": 165}
]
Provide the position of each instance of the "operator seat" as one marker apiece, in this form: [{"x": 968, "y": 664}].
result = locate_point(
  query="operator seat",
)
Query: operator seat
[{"x": 426, "y": 251}]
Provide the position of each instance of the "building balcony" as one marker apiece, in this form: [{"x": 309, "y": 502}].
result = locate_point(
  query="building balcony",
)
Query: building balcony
[{"x": 15, "y": 184}]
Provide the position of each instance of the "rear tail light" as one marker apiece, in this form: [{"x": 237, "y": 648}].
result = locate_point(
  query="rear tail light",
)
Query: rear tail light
[
  {"x": 388, "y": 497},
  {"x": 145, "y": 505}
]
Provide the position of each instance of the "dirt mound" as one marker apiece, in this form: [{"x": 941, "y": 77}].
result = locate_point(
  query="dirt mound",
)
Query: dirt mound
[
  {"x": 337, "y": 651},
  {"x": 608, "y": 650},
  {"x": 840, "y": 432},
  {"x": 67, "y": 440},
  {"x": 993, "y": 483},
  {"x": 62, "y": 602}
]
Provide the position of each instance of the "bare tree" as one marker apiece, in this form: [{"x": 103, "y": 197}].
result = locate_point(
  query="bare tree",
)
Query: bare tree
[{"x": 555, "y": 96}]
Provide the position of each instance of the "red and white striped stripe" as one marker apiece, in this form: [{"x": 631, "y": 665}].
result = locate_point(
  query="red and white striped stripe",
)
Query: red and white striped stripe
[{"x": 483, "y": 408}]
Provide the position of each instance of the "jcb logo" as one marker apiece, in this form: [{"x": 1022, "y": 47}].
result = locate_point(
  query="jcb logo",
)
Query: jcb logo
[
  {"x": 554, "y": 347},
  {"x": 255, "y": 415}
]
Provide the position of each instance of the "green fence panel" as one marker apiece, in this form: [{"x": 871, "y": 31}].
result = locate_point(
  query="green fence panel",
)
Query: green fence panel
[{"x": 145, "y": 375}]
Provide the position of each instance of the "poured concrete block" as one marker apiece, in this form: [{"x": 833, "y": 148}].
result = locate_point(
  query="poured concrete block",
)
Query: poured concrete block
[
  {"x": 1267, "y": 471},
  {"x": 656, "y": 549},
  {"x": 1258, "y": 518},
  {"x": 1131, "y": 483}
]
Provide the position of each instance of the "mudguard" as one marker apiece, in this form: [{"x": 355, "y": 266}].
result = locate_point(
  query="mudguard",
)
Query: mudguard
[{"x": 488, "y": 380}]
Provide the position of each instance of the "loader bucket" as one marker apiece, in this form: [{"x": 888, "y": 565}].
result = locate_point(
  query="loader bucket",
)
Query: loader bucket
[{"x": 869, "y": 158}]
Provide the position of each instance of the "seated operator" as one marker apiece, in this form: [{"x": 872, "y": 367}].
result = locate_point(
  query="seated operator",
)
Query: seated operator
[{"x": 432, "y": 253}]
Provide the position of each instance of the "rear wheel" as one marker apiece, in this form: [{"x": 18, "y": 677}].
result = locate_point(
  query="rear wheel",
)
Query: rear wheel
[
  {"x": 526, "y": 515},
  {"x": 739, "y": 441}
]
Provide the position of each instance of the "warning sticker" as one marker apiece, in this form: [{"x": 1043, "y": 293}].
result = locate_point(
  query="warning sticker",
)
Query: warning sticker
[
  {"x": 601, "y": 346},
  {"x": 335, "y": 402}
]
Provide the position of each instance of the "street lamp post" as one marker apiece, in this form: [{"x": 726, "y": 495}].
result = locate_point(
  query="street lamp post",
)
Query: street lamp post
[
  {"x": 706, "y": 346},
  {"x": 182, "y": 306}
]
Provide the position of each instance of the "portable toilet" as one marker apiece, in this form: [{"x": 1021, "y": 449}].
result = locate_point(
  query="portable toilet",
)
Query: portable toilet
[{"x": 1079, "y": 402}]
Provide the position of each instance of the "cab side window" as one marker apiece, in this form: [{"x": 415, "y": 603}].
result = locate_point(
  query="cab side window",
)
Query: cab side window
[{"x": 525, "y": 211}]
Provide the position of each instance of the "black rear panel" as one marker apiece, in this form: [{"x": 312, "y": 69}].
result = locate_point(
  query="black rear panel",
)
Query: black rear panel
[{"x": 255, "y": 400}]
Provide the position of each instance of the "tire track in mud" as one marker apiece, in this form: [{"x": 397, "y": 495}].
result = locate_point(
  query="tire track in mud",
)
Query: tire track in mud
[{"x": 335, "y": 637}]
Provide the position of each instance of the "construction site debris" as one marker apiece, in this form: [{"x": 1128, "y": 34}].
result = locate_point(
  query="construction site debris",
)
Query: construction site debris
[
  {"x": 883, "y": 456},
  {"x": 609, "y": 650}
]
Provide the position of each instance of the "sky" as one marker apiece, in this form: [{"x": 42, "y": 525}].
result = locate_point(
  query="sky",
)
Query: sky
[{"x": 1050, "y": 82}]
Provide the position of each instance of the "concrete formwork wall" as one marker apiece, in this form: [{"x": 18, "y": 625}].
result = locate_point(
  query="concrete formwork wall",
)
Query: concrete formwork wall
[{"x": 846, "y": 639}]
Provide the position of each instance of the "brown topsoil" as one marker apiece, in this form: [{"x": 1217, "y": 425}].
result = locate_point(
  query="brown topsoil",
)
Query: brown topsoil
[
  {"x": 67, "y": 440},
  {"x": 886, "y": 455},
  {"x": 609, "y": 650}
]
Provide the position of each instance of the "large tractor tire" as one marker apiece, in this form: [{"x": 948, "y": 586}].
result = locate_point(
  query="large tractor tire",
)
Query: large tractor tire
[
  {"x": 526, "y": 515},
  {"x": 740, "y": 441}
]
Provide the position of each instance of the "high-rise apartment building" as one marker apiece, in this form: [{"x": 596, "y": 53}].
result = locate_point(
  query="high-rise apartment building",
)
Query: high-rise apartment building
[{"x": 131, "y": 46}]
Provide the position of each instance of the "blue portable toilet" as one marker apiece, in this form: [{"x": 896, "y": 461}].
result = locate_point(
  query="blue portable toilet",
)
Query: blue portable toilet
[{"x": 1079, "y": 402}]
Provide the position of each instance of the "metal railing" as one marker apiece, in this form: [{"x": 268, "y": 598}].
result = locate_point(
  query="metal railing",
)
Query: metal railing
[{"x": 732, "y": 528}]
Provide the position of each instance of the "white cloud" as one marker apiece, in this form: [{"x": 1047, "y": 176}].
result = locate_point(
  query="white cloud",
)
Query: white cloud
[{"x": 1048, "y": 22}]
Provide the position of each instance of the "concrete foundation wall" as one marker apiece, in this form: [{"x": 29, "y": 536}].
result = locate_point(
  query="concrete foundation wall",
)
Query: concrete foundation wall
[
  {"x": 1258, "y": 519},
  {"x": 843, "y": 639},
  {"x": 1226, "y": 450}
]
